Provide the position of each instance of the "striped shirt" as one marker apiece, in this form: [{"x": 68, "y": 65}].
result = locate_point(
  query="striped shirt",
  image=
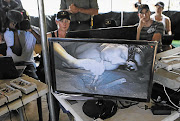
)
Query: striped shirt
[{"x": 148, "y": 32}]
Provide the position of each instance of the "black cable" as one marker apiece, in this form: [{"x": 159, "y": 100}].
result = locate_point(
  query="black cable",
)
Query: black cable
[
  {"x": 8, "y": 107},
  {"x": 178, "y": 89},
  {"x": 24, "y": 108},
  {"x": 37, "y": 92},
  {"x": 123, "y": 106},
  {"x": 9, "y": 112},
  {"x": 174, "y": 92},
  {"x": 164, "y": 98}
]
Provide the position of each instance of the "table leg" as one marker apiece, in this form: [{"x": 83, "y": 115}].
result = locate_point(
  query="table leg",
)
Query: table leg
[
  {"x": 21, "y": 113},
  {"x": 39, "y": 104}
]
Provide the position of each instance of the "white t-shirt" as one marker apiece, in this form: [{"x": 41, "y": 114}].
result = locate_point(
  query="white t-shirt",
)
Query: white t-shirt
[
  {"x": 27, "y": 41},
  {"x": 162, "y": 21}
]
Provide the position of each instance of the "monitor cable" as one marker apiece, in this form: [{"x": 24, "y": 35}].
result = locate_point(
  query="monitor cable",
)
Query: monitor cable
[
  {"x": 23, "y": 108},
  {"x": 9, "y": 111},
  {"x": 37, "y": 92},
  {"x": 7, "y": 106}
]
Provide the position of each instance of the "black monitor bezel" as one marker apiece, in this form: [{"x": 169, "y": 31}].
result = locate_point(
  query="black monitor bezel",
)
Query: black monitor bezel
[{"x": 99, "y": 40}]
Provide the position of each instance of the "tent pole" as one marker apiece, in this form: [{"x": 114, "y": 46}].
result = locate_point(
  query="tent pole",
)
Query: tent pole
[
  {"x": 122, "y": 18},
  {"x": 46, "y": 61},
  {"x": 168, "y": 5}
]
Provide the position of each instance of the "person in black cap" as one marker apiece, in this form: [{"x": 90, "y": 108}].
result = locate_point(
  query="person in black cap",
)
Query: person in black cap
[
  {"x": 62, "y": 20},
  {"x": 158, "y": 16},
  {"x": 147, "y": 28}
]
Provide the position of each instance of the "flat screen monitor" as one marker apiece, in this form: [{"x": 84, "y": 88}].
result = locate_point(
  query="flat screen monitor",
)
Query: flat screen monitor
[{"x": 107, "y": 68}]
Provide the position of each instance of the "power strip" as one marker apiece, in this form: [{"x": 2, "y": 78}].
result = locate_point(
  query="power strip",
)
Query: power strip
[
  {"x": 23, "y": 85},
  {"x": 3, "y": 99},
  {"x": 9, "y": 92}
]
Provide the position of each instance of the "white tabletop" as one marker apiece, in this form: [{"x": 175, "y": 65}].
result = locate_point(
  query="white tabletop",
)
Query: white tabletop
[{"x": 133, "y": 113}]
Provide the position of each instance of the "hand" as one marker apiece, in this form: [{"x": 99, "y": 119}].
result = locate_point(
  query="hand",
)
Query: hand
[
  {"x": 12, "y": 25},
  {"x": 30, "y": 30},
  {"x": 142, "y": 22},
  {"x": 73, "y": 8},
  {"x": 8, "y": 1}
]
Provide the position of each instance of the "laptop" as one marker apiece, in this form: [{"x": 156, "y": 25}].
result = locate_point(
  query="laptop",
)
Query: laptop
[
  {"x": 8, "y": 70},
  {"x": 167, "y": 39}
]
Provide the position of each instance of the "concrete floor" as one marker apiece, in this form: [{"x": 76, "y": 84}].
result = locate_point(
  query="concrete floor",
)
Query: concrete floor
[{"x": 32, "y": 113}]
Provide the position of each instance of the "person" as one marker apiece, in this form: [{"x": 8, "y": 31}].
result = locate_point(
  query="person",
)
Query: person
[
  {"x": 158, "y": 16},
  {"x": 81, "y": 12},
  {"x": 149, "y": 29},
  {"x": 20, "y": 45},
  {"x": 62, "y": 20}
]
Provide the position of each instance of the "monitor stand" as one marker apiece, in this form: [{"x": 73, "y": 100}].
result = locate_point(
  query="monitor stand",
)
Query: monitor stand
[{"x": 99, "y": 108}]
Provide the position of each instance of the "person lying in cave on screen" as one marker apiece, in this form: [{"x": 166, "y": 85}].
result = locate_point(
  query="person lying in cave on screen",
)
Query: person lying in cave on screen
[{"x": 96, "y": 57}]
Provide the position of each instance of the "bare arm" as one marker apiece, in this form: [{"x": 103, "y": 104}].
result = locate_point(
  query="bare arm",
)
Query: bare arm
[
  {"x": 74, "y": 9},
  {"x": 49, "y": 35},
  {"x": 64, "y": 56},
  {"x": 138, "y": 33},
  {"x": 140, "y": 26},
  {"x": 168, "y": 26},
  {"x": 156, "y": 37},
  {"x": 36, "y": 35},
  {"x": 16, "y": 48}
]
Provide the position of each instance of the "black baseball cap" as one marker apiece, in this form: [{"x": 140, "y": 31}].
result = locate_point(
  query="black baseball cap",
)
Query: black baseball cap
[
  {"x": 62, "y": 15},
  {"x": 161, "y": 4},
  {"x": 143, "y": 6}
]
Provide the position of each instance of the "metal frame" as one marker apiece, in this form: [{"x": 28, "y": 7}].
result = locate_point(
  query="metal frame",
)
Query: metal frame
[{"x": 46, "y": 58}]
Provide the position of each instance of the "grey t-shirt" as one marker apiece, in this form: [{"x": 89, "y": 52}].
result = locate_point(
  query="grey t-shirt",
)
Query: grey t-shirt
[{"x": 81, "y": 4}]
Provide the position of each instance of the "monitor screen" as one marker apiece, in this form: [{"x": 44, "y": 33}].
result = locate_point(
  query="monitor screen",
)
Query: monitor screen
[{"x": 103, "y": 67}]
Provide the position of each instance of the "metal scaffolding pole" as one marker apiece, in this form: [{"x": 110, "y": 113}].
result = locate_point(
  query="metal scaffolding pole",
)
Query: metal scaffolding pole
[{"x": 46, "y": 61}]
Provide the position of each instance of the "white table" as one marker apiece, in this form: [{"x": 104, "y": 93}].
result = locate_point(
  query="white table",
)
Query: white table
[
  {"x": 17, "y": 104},
  {"x": 133, "y": 113}
]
